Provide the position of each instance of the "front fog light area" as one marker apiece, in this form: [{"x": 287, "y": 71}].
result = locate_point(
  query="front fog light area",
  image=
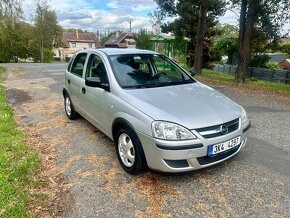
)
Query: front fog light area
[{"x": 170, "y": 131}]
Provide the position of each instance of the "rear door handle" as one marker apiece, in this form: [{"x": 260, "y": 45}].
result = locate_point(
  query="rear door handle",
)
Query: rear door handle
[
  {"x": 83, "y": 90},
  {"x": 68, "y": 81}
]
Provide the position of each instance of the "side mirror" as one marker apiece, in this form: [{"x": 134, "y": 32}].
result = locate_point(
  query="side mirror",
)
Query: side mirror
[{"x": 95, "y": 82}]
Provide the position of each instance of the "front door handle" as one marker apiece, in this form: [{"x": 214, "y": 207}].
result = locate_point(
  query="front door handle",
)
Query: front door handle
[
  {"x": 83, "y": 90},
  {"x": 68, "y": 81}
]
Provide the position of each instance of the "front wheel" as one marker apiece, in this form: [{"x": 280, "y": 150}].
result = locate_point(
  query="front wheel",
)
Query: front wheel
[
  {"x": 69, "y": 108},
  {"x": 129, "y": 151}
]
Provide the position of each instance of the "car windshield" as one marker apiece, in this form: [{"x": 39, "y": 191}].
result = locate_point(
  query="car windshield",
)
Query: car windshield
[{"x": 147, "y": 71}]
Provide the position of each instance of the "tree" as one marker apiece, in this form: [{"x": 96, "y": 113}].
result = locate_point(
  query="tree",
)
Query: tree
[
  {"x": 46, "y": 27},
  {"x": 226, "y": 42},
  {"x": 10, "y": 35},
  {"x": 19, "y": 39},
  {"x": 14, "y": 35},
  {"x": 285, "y": 47},
  {"x": 10, "y": 8},
  {"x": 200, "y": 36},
  {"x": 143, "y": 40},
  {"x": 266, "y": 17},
  {"x": 74, "y": 30},
  {"x": 156, "y": 19},
  {"x": 195, "y": 20},
  {"x": 245, "y": 35}
]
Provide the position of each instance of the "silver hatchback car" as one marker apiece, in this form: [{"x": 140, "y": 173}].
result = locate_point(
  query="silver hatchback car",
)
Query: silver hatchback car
[{"x": 157, "y": 114}]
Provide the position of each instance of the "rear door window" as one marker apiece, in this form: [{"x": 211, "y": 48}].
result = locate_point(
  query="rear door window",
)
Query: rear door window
[{"x": 78, "y": 65}]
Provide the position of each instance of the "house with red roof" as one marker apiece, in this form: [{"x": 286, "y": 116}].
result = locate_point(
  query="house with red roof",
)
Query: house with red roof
[
  {"x": 75, "y": 41},
  {"x": 121, "y": 40},
  {"x": 285, "y": 64}
]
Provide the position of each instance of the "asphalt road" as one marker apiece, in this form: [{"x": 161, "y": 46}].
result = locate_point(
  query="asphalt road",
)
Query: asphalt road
[{"x": 256, "y": 183}]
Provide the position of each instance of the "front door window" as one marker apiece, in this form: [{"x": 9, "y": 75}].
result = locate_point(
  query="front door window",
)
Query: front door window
[
  {"x": 96, "y": 69},
  {"x": 78, "y": 64}
]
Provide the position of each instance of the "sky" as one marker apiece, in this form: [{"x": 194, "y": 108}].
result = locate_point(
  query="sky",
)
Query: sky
[{"x": 106, "y": 15}]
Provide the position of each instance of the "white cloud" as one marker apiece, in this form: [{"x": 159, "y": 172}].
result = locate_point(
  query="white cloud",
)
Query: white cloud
[
  {"x": 99, "y": 14},
  {"x": 110, "y": 14},
  {"x": 104, "y": 21},
  {"x": 112, "y": 4},
  {"x": 73, "y": 15},
  {"x": 134, "y": 5}
]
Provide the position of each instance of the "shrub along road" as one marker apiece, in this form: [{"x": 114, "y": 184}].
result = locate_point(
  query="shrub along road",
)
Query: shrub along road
[{"x": 85, "y": 179}]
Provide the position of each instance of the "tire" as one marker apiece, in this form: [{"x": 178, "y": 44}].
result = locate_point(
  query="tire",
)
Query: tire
[
  {"x": 129, "y": 151},
  {"x": 69, "y": 108}
]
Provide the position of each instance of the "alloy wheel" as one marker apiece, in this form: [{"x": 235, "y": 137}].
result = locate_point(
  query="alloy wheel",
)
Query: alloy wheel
[{"x": 126, "y": 150}]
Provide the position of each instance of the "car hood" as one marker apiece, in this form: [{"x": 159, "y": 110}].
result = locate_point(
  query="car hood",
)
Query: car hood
[{"x": 192, "y": 105}]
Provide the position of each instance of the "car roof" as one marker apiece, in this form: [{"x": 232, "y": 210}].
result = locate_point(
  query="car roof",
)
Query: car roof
[{"x": 118, "y": 51}]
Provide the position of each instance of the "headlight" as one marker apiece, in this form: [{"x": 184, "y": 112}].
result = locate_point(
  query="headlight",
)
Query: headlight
[
  {"x": 244, "y": 116},
  {"x": 170, "y": 131}
]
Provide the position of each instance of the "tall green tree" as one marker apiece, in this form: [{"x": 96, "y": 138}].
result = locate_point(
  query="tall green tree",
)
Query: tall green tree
[
  {"x": 46, "y": 27},
  {"x": 14, "y": 36},
  {"x": 143, "y": 40},
  {"x": 195, "y": 20},
  {"x": 285, "y": 47},
  {"x": 225, "y": 43},
  {"x": 264, "y": 16},
  {"x": 10, "y": 40}
]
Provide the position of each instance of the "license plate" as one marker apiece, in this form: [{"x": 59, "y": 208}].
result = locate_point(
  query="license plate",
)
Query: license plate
[{"x": 224, "y": 146}]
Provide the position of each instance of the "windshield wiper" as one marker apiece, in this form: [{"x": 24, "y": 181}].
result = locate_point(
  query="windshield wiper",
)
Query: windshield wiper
[
  {"x": 139, "y": 86},
  {"x": 152, "y": 85},
  {"x": 179, "y": 82}
]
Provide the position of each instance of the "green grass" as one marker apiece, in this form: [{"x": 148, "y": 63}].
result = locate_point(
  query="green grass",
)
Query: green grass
[
  {"x": 18, "y": 164},
  {"x": 227, "y": 79}
]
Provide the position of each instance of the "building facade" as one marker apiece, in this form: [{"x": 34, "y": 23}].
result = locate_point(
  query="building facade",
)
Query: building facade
[{"x": 75, "y": 41}]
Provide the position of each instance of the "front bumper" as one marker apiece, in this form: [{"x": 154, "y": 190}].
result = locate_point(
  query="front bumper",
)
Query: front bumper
[{"x": 183, "y": 156}]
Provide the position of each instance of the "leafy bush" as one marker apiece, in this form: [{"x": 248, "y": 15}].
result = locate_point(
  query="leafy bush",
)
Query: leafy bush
[
  {"x": 272, "y": 65},
  {"x": 48, "y": 56},
  {"x": 286, "y": 48},
  {"x": 259, "y": 61}
]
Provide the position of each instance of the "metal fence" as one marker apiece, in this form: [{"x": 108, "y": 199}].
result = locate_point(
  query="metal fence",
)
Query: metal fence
[{"x": 281, "y": 76}]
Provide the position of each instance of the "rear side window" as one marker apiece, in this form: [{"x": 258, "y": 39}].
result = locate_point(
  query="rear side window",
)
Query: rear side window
[{"x": 78, "y": 64}]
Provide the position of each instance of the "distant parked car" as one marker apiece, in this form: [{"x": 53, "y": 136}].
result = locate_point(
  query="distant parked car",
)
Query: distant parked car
[{"x": 156, "y": 113}]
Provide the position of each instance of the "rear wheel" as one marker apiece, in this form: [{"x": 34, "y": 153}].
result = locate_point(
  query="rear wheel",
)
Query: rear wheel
[
  {"x": 129, "y": 151},
  {"x": 69, "y": 108}
]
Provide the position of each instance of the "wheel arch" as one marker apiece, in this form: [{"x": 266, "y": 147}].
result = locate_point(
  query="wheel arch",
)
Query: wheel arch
[
  {"x": 64, "y": 92},
  {"x": 119, "y": 123}
]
